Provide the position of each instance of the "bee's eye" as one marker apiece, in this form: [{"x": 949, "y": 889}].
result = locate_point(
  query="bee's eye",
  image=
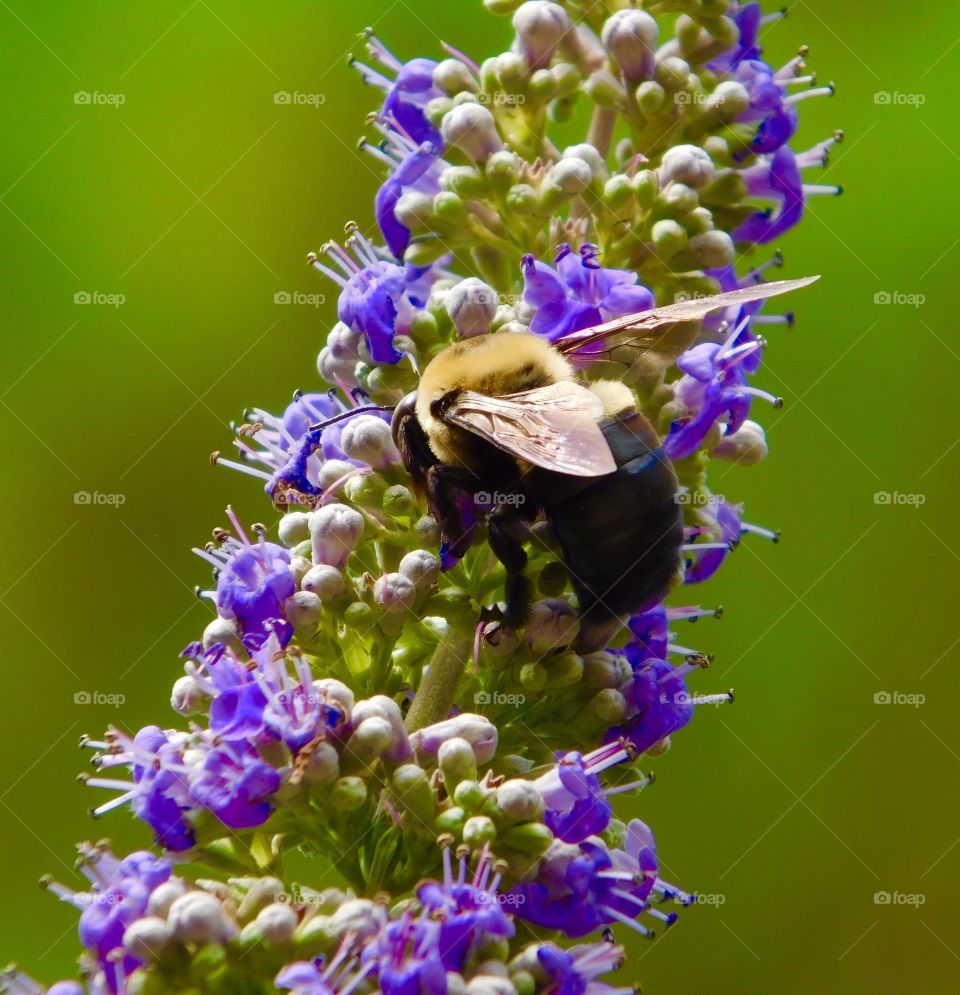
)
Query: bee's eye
[{"x": 405, "y": 407}]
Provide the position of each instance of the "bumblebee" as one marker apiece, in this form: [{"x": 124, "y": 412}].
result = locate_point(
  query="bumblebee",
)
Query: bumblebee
[{"x": 499, "y": 429}]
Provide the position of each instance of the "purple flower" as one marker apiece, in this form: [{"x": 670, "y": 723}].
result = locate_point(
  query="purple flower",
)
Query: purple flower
[
  {"x": 582, "y": 888},
  {"x": 723, "y": 521},
  {"x": 769, "y": 105},
  {"x": 407, "y": 93},
  {"x": 748, "y": 17},
  {"x": 576, "y": 805},
  {"x": 235, "y": 785},
  {"x": 579, "y": 293},
  {"x": 574, "y": 971},
  {"x": 118, "y": 896},
  {"x": 318, "y": 977},
  {"x": 414, "y": 168}
]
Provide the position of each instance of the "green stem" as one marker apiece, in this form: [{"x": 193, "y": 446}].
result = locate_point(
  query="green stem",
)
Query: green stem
[{"x": 434, "y": 697}]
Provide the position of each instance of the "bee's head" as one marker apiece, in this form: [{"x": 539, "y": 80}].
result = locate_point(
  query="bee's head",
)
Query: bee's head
[{"x": 406, "y": 406}]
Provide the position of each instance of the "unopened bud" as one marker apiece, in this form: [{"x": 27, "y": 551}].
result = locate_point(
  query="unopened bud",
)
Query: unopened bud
[
  {"x": 188, "y": 697},
  {"x": 609, "y": 705},
  {"x": 394, "y": 593},
  {"x": 198, "y": 917},
  {"x": 294, "y": 528},
  {"x": 367, "y": 439},
  {"x": 453, "y": 77},
  {"x": 478, "y": 830},
  {"x": 421, "y": 567},
  {"x": 687, "y": 164},
  {"x": 571, "y": 176},
  {"x": 457, "y": 762},
  {"x": 303, "y": 610},
  {"x": 552, "y": 623},
  {"x": 223, "y": 631},
  {"x": 164, "y": 895},
  {"x": 146, "y": 938},
  {"x": 335, "y": 531},
  {"x": 333, "y": 470},
  {"x": 348, "y": 794},
  {"x": 519, "y": 800},
  {"x": 713, "y": 249},
  {"x": 471, "y": 305},
  {"x": 747, "y": 446},
  {"x": 276, "y": 923},
  {"x": 541, "y": 27},
  {"x": 472, "y": 129},
  {"x": 630, "y": 36},
  {"x": 477, "y": 730},
  {"x": 326, "y": 582}
]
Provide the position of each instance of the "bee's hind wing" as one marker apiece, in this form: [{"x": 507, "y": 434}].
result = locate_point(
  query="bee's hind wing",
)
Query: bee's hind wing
[{"x": 554, "y": 427}]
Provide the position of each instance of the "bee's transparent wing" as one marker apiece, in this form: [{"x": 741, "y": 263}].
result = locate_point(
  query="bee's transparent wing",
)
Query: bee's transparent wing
[
  {"x": 661, "y": 330},
  {"x": 554, "y": 427}
]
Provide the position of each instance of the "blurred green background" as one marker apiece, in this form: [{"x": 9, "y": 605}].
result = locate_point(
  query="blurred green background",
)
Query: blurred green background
[{"x": 197, "y": 198}]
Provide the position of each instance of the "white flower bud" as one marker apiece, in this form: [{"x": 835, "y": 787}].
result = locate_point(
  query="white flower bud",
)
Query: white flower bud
[
  {"x": 337, "y": 361},
  {"x": 367, "y": 439},
  {"x": 332, "y": 470},
  {"x": 372, "y": 737},
  {"x": 488, "y": 984},
  {"x": 520, "y": 800},
  {"x": 223, "y": 631},
  {"x": 456, "y": 758},
  {"x": 300, "y": 566},
  {"x": 293, "y": 528},
  {"x": 477, "y": 730},
  {"x": 729, "y": 99},
  {"x": 188, "y": 697},
  {"x": 472, "y": 305},
  {"x": 380, "y": 706},
  {"x": 589, "y": 154},
  {"x": 541, "y": 27},
  {"x": 453, "y": 77},
  {"x": 326, "y": 582},
  {"x": 687, "y": 164},
  {"x": 472, "y": 129},
  {"x": 337, "y": 692},
  {"x": 276, "y": 923},
  {"x": 394, "y": 593},
  {"x": 357, "y": 916},
  {"x": 335, "y": 531},
  {"x": 572, "y": 176},
  {"x": 164, "y": 895},
  {"x": 420, "y": 567},
  {"x": 303, "y": 610},
  {"x": 198, "y": 917},
  {"x": 322, "y": 763},
  {"x": 552, "y": 623},
  {"x": 630, "y": 36},
  {"x": 747, "y": 446},
  {"x": 145, "y": 938},
  {"x": 713, "y": 248},
  {"x": 414, "y": 209}
]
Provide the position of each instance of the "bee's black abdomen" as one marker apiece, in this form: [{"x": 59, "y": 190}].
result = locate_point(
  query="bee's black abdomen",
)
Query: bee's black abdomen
[{"x": 620, "y": 534}]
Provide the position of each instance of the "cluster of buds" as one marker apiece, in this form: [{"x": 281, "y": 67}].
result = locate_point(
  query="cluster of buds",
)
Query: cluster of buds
[{"x": 354, "y": 696}]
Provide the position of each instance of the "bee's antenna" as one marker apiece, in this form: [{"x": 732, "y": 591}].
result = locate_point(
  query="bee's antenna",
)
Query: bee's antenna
[{"x": 344, "y": 415}]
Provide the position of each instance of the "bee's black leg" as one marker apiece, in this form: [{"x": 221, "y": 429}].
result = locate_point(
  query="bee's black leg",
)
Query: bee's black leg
[
  {"x": 443, "y": 483},
  {"x": 503, "y": 527}
]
